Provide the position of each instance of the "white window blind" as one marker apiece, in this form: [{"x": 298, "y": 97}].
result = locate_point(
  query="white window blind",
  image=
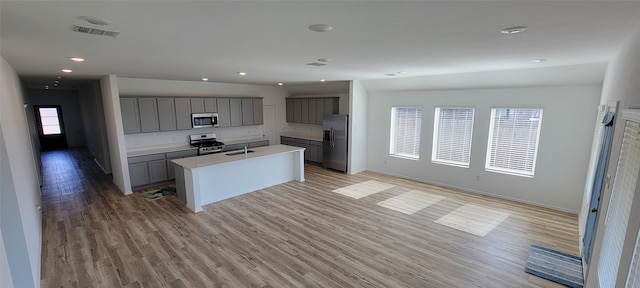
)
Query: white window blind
[
  {"x": 617, "y": 216},
  {"x": 405, "y": 132},
  {"x": 513, "y": 140},
  {"x": 633, "y": 279},
  {"x": 452, "y": 131}
]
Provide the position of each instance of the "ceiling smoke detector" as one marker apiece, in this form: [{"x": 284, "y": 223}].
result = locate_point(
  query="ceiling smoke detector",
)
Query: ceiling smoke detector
[
  {"x": 95, "y": 31},
  {"x": 95, "y": 20},
  {"x": 514, "y": 30},
  {"x": 320, "y": 27}
]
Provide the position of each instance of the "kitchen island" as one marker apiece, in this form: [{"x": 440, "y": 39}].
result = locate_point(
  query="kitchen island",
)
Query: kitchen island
[{"x": 210, "y": 178}]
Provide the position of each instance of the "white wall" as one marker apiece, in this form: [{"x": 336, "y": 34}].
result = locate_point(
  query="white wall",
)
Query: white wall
[
  {"x": 272, "y": 95},
  {"x": 565, "y": 142},
  {"x": 115, "y": 133},
  {"x": 621, "y": 84},
  {"x": 358, "y": 126},
  {"x": 71, "y": 112},
  {"x": 21, "y": 221},
  {"x": 93, "y": 121}
]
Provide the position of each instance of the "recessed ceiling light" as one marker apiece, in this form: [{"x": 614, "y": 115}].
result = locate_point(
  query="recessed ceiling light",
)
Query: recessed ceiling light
[
  {"x": 59, "y": 77},
  {"x": 67, "y": 70},
  {"x": 514, "y": 30},
  {"x": 205, "y": 79},
  {"x": 96, "y": 20},
  {"x": 46, "y": 87},
  {"x": 280, "y": 83},
  {"x": 538, "y": 60},
  {"x": 322, "y": 80},
  {"x": 76, "y": 59},
  {"x": 242, "y": 73},
  {"x": 320, "y": 27}
]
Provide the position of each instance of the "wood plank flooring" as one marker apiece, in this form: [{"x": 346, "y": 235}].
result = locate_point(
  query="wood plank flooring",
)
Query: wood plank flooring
[{"x": 290, "y": 235}]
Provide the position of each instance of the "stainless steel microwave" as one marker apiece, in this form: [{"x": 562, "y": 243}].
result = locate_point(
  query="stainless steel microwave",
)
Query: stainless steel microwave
[{"x": 204, "y": 120}]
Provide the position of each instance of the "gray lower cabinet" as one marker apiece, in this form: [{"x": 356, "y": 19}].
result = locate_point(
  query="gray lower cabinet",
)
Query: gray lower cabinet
[
  {"x": 235, "y": 108},
  {"x": 158, "y": 171},
  {"x": 139, "y": 174},
  {"x": 313, "y": 149},
  {"x": 130, "y": 115},
  {"x": 148, "y": 115},
  {"x": 183, "y": 113},
  {"x": 259, "y": 143},
  {"x": 166, "y": 114},
  {"x": 155, "y": 168},
  {"x": 177, "y": 155}
]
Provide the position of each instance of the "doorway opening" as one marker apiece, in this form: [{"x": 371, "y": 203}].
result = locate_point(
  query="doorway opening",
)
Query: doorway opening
[{"x": 51, "y": 131}]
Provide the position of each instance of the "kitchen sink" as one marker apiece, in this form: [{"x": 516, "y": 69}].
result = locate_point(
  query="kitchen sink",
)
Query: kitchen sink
[{"x": 239, "y": 152}]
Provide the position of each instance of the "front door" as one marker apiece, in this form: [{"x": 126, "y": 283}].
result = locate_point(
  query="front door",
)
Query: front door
[
  {"x": 50, "y": 127},
  {"x": 598, "y": 186}
]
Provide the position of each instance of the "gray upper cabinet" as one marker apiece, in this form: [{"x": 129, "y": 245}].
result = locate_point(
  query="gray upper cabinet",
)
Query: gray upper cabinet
[
  {"x": 183, "y": 113},
  {"x": 304, "y": 110},
  {"x": 130, "y": 115},
  {"x": 247, "y": 112},
  {"x": 148, "y": 114},
  {"x": 310, "y": 110},
  {"x": 257, "y": 112},
  {"x": 313, "y": 111},
  {"x": 210, "y": 105},
  {"x": 289, "y": 106},
  {"x": 331, "y": 106},
  {"x": 235, "y": 108},
  {"x": 297, "y": 110},
  {"x": 224, "y": 112},
  {"x": 197, "y": 105},
  {"x": 166, "y": 114},
  {"x": 319, "y": 111}
]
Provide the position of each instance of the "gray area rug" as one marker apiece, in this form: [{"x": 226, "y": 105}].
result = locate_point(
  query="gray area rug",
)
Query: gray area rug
[{"x": 555, "y": 266}]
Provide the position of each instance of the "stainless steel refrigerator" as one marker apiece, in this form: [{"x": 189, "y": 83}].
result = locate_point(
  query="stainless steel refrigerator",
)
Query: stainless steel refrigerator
[{"x": 335, "y": 129}]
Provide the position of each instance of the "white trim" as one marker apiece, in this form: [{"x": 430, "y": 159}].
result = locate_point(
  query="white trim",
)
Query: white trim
[{"x": 631, "y": 114}]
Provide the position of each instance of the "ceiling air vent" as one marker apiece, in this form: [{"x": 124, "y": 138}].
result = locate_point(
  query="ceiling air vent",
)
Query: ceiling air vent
[
  {"x": 95, "y": 31},
  {"x": 316, "y": 64}
]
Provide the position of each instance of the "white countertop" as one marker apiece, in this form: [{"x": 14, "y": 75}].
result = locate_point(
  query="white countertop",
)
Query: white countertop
[
  {"x": 141, "y": 151},
  {"x": 220, "y": 158},
  {"x": 303, "y": 135}
]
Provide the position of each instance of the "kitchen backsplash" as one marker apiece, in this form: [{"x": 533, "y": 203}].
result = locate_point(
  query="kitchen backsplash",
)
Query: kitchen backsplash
[{"x": 177, "y": 138}]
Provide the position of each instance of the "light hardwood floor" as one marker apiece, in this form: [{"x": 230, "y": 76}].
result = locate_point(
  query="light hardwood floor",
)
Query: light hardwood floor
[{"x": 290, "y": 235}]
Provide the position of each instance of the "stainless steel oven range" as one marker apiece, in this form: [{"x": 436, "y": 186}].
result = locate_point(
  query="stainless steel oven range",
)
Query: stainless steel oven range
[{"x": 206, "y": 143}]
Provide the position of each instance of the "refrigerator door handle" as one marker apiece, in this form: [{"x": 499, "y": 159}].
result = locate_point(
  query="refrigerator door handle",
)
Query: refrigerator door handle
[{"x": 333, "y": 138}]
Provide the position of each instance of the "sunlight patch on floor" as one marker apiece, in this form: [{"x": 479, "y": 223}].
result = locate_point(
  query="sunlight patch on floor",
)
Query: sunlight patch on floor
[
  {"x": 364, "y": 189},
  {"x": 474, "y": 219},
  {"x": 411, "y": 202}
]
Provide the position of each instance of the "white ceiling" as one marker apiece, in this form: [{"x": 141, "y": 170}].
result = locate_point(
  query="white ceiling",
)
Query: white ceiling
[{"x": 188, "y": 40}]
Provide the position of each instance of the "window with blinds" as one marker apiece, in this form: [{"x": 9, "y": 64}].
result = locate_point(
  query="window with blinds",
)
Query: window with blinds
[
  {"x": 617, "y": 217},
  {"x": 513, "y": 140},
  {"x": 633, "y": 278},
  {"x": 405, "y": 132},
  {"x": 452, "y": 131}
]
